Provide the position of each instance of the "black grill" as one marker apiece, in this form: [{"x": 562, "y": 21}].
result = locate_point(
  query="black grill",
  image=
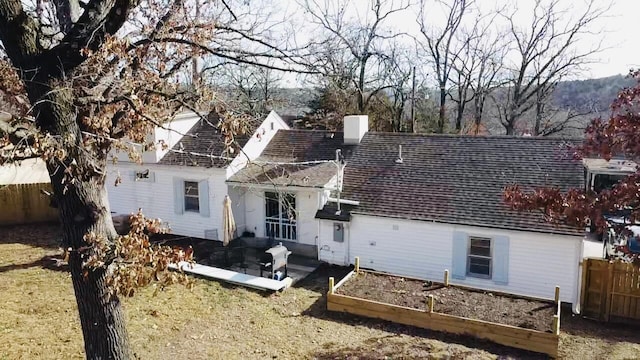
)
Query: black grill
[{"x": 274, "y": 259}]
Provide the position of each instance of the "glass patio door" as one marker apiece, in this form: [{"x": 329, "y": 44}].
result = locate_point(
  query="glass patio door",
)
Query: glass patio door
[{"x": 280, "y": 216}]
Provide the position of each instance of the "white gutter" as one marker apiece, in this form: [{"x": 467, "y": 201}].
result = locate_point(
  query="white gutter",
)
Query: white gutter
[{"x": 343, "y": 201}]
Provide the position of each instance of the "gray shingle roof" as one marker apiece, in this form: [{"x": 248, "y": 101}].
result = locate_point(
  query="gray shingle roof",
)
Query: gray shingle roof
[
  {"x": 457, "y": 179},
  {"x": 295, "y": 146},
  {"x": 203, "y": 138}
]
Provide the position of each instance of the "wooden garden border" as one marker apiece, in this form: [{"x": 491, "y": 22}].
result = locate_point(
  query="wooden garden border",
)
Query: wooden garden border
[{"x": 513, "y": 336}]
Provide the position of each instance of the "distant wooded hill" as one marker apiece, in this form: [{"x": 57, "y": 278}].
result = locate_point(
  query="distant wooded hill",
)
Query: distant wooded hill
[
  {"x": 592, "y": 96},
  {"x": 578, "y": 94},
  {"x": 599, "y": 92}
]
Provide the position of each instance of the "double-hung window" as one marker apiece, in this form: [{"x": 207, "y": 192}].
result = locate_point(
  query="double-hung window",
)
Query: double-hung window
[
  {"x": 479, "y": 258},
  {"x": 191, "y": 196}
]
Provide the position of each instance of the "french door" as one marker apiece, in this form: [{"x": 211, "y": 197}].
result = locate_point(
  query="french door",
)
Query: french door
[{"x": 280, "y": 216}]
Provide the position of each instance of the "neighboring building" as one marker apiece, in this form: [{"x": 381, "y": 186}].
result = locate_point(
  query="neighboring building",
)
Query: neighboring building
[
  {"x": 22, "y": 193},
  {"x": 184, "y": 184}
]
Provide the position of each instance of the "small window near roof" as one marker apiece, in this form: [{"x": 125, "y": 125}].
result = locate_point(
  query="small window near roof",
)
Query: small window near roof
[
  {"x": 191, "y": 196},
  {"x": 479, "y": 260}
]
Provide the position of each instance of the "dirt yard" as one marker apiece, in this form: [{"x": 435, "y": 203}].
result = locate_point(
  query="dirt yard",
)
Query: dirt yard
[
  {"x": 481, "y": 305},
  {"x": 38, "y": 320}
]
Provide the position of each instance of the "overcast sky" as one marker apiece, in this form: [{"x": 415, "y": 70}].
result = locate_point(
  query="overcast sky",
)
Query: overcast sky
[{"x": 618, "y": 30}]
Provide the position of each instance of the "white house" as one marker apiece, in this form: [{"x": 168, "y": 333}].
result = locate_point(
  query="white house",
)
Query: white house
[
  {"x": 184, "y": 184},
  {"x": 416, "y": 205},
  {"x": 409, "y": 204}
]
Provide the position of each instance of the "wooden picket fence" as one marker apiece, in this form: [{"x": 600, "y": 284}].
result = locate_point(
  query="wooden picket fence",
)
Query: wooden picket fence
[
  {"x": 25, "y": 204},
  {"x": 610, "y": 291},
  {"x": 513, "y": 336}
]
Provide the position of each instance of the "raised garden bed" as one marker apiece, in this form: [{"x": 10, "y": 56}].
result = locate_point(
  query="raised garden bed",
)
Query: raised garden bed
[
  {"x": 517, "y": 322},
  {"x": 469, "y": 303}
]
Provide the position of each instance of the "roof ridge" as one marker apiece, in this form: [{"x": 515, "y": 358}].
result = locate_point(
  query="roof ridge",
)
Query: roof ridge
[
  {"x": 405, "y": 134},
  {"x": 526, "y": 138}
]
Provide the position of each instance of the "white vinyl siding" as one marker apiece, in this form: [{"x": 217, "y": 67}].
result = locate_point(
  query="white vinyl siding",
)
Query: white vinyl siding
[
  {"x": 157, "y": 199},
  {"x": 524, "y": 263}
]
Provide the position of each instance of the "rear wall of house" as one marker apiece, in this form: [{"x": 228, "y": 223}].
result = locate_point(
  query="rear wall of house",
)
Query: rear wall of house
[
  {"x": 306, "y": 207},
  {"x": 156, "y": 196},
  {"x": 537, "y": 262}
]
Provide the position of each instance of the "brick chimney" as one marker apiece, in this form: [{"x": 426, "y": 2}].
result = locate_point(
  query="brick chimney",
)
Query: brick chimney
[{"x": 355, "y": 126}]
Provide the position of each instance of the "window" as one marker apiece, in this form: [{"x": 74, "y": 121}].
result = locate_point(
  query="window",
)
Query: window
[
  {"x": 191, "y": 196},
  {"x": 338, "y": 232},
  {"x": 142, "y": 175},
  {"x": 479, "y": 257},
  {"x": 606, "y": 181}
]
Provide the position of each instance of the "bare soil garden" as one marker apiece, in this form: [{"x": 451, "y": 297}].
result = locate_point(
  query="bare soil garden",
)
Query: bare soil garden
[{"x": 480, "y": 305}]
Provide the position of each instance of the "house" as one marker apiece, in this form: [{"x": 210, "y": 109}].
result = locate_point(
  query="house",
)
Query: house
[
  {"x": 184, "y": 183},
  {"x": 416, "y": 205},
  {"x": 408, "y": 204}
]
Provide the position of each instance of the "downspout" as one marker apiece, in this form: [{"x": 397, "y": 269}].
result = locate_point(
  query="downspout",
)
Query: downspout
[
  {"x": 578, "y": 296},
  {"x": 338, "y": 177}
]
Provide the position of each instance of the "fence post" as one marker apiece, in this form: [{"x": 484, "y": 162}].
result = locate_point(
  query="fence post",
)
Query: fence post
[
  {"x": 556, "y": 317},
  {"x": 584, "y": 265},
  {"x": 430, "y": 304},
  {"x": 331, "y": 285},
  {"x": 608, "y": 291},
  {"x": 446, "y": 278},
  {"x": 357, "y": 269}
]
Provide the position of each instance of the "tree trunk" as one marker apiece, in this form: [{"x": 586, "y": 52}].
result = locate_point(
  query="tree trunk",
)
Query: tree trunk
[
  {"x": 443, "y": 111},
  {"x": 83, "y": 207},
  {"x": 459, "y": 115},
  {"x": 478, "y": 109},
  {"x": 510, "y": 129},
  {"x": 361, "y": 76}
]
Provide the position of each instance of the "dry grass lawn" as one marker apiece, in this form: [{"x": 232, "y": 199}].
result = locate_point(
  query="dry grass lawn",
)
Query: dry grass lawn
[{"x": 38, "y": 320}]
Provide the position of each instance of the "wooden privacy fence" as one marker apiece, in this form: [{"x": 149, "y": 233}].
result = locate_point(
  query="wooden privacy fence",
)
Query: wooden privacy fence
[
  {"x": 521, "y": 338},
  {"x": 610, "y": 291},
  {"x": 25, "y": 204}
]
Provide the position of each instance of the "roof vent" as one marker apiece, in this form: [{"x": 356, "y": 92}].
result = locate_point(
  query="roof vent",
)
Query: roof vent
[{"x": 399, "y": 159}]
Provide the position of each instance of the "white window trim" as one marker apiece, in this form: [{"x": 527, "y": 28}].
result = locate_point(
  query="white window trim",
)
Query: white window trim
[
  {"x": 281, "y": 195},
  {"x": 490, "y": 257},
  {"x": 185, "y": 196}
]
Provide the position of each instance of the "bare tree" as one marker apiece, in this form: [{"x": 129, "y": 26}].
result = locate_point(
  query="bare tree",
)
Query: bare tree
[
  {"x": 397, "y": 69},
  {"x": 442, "y": 47},
  {"x": 476, "y": 69},
  {"x": 362, "y": 38},
  {"x": 247, "y": 89},
  {"x": 490, "y": 51},
  {"x": 547, "y": 51}
]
